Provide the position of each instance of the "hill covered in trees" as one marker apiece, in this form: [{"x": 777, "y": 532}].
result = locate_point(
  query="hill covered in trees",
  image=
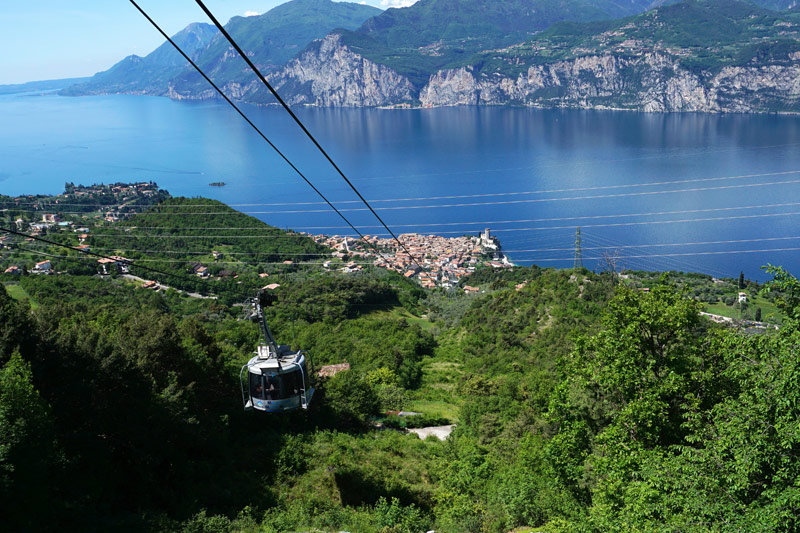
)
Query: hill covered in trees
[{"x": 581, "y": 404}]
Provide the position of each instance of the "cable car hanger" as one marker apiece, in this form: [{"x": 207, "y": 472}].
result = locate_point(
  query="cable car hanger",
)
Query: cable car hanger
[{"x": 276, "y": 379}]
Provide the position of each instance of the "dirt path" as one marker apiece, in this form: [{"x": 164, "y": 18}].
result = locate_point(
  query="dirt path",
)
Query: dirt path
[{"x": 440, "y": 432}]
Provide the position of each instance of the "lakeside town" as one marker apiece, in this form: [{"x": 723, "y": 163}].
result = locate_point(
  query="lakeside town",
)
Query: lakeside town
[{"x": 431, "y": 260}]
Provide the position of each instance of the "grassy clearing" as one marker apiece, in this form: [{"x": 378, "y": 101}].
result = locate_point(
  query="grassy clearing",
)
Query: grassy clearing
[
  {"x": 18, "y": 293},
  {"x": 769, "y": 311},
  {"x": 437, "y": 396},
  {"x": 437, "y": 409},
  {"x": 400, "y": 312}
]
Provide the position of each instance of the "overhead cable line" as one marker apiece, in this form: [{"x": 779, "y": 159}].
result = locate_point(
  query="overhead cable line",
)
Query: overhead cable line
[
  {"x": 466, "y": 204},
  {"x": 241, "y": 113},
  {"x": 607, "y": 247},
  {"x": 128, "y": 262},
  {"x": 653, "y": 264},
  {"x": 302, "y": 126},
  {"x": 498, "y": 230},
  {"x": 179, "y": 261},
  {"x": 625, "y": 246},
  {"x": 681, "y": 264},
  {"x": 178, "y": 252},
  {"x": 550, "y": 259},
  {"x": 682, "y": 254},
  {"x": 493, "y": 222},
  {"x": 451, "y": 197},
  {"x": 643, "y": 223}
]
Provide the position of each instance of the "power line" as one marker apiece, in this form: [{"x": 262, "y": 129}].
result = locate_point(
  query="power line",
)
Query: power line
[
  {"x": 468, "y": 204},
  {"x": 241, "y": 113},
  {"x": 483, "y": 195},
  {"x": 645, "y": 223},
  {"x": 677, "y": 263},
  {"x": 481, "y": 223},
  {"x": 621, "y": 246},
  {"x": 682, "y": 254},
  {"x": 93, "y": 254},
  {"x": 493, "y": 222},
  {"x": 496, "y": 230},
  {"x": 302, "y": 126},
  {"x": 548, "y": 259},
  {"x": 179, "y": 252},
  {"x": 180, "y": 261}
]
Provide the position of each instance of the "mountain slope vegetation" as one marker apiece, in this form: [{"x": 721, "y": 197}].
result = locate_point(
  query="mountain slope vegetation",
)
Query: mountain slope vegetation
[
  {"x": 703, "y": 34},
  {"x": 660, "y": 56},
  {"x": 582, "y": 405},
  {"x": 441, "y": 31}
]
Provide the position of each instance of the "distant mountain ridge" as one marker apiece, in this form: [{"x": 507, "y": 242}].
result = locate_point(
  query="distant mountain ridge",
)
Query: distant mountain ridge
[
  {"x": 150, "y": 74},
  {"x": 272, "y": 39},
  {"x": 44, "y": 85},
  {"x": 698, "y": 55},
  {"x": 546, "y": 53},
  {"x": 418, "y": 40}
]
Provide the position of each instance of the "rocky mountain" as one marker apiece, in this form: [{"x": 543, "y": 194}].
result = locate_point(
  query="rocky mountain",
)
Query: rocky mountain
[
  {"x": 329, "y": 73},
  {"x": 696, "y": 55},
  {"x": 150, "y": 74},
  {"x": 652, "y": 82},
  {"x": 699, "y": 55},
  {"x": 271, "y": 39}
]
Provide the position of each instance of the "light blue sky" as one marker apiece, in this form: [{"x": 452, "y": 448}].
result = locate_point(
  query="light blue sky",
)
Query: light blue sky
[{"x": 51, "y": 39}]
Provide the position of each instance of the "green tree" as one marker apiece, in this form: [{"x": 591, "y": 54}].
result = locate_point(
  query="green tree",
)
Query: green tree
[
  {"x": 351, "y": 398},
  {"x": 27, "y": 450},
  {"x": 16, "y": 328},
  {"x": 630, "y": 390}
]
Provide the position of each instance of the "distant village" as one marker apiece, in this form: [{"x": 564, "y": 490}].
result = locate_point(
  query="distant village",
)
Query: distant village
[{"x": 111, "y": 203}]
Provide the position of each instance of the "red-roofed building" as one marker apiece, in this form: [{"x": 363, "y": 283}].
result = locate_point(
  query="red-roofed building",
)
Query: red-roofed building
[{"x": 42, "y": 267}]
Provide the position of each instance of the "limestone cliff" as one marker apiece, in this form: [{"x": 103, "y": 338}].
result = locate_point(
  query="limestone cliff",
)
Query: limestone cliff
[
  {"x": 328, "y": 73},
  {"x": 651, "y": 82}
]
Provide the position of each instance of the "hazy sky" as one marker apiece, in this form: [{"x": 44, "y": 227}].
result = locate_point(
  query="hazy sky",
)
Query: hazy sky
[{"x": 51, "y": 39}]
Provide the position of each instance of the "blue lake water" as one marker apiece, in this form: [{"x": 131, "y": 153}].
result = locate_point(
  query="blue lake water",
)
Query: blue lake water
[{"x": 711, "y": 193}]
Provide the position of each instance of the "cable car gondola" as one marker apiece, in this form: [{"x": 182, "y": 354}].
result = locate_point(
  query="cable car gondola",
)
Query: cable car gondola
[{"x": 277, "y": 378}]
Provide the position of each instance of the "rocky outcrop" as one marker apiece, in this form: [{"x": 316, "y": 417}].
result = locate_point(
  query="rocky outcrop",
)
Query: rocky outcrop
[
  {"x": 328, "y": 73},
  {"x": 650, "y": 82}
]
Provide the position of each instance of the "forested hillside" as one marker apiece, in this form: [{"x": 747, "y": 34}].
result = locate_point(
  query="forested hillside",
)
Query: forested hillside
[{"x": 581, "y": 405}]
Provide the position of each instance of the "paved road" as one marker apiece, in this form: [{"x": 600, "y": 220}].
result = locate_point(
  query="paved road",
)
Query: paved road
[{"x": 163, "y": 287}]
